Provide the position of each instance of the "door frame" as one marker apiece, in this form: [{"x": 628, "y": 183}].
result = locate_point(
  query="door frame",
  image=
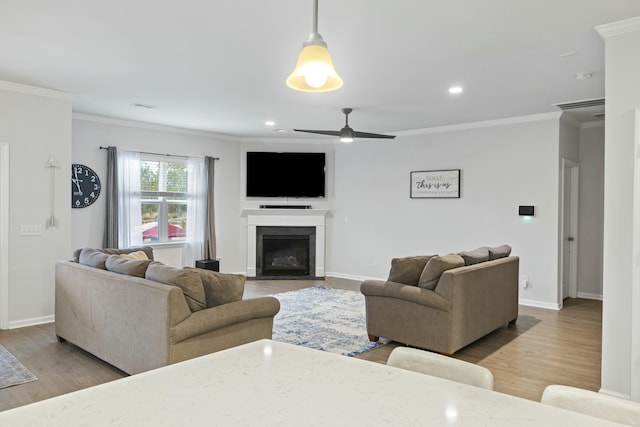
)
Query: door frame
[
  {"x": 574, "y": 169},
  {"x": 4, "y": 231}
]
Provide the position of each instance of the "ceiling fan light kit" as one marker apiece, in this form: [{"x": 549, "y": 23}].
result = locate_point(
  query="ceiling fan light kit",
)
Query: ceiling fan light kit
[{"x": 314, "y": 70}]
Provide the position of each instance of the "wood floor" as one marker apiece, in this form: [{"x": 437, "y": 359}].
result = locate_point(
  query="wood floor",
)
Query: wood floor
[{"x": 544, "y": 347}]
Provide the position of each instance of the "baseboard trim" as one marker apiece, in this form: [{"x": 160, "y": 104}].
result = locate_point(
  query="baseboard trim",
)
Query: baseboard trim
[
  {"x": 587, "y": 295},
  {"x": 538, "y": 304},
  {"x": 614, "y": 394},
  {"x": 350, "y": 276},
  {"x": 31, "y": 322}
]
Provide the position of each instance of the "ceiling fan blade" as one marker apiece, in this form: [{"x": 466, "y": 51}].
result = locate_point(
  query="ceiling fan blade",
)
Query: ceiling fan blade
[
  {"x": 372, "y": 135},
  {"x": 321, "y": 132}
]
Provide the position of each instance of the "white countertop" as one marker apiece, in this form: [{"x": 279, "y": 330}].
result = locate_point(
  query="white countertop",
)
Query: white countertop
[{"x": 267, "y": 383}]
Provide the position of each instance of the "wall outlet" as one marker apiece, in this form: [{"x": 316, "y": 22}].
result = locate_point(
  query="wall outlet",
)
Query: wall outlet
[{"x": 524, "y": 281}]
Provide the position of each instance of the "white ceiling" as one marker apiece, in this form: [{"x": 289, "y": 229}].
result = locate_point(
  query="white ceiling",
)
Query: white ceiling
[{"x": 220, "y": 65}]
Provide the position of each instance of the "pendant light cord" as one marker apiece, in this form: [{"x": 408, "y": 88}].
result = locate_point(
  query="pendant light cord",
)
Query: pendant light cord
[{"x": 315, "y": 16}]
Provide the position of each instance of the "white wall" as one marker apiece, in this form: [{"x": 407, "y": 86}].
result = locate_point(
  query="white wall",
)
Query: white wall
[
  {"x": 591, "y": 200},
  {"x": 36, "y": 123},
  {"x": 502, "y": 167},
  {"x": 89, "y": 133},
  {"x": 620, "y": 368}
]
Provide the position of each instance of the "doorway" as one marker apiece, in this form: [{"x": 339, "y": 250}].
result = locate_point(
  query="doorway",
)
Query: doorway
[{"x": 568, "y": 230}]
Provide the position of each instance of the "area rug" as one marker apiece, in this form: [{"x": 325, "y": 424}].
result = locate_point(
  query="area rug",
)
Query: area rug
[
  {"x": 12, "y": 372},
  {"x": 323, "y": 318}
]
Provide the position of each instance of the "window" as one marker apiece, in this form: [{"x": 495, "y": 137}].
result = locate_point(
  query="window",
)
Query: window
[{"x": 163, "y": 199}]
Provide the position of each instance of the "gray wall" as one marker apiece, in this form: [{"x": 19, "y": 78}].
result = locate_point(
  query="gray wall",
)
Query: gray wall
[{"x": 36, "y": 124}]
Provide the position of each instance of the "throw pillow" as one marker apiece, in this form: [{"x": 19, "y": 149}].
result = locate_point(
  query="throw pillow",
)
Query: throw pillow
[
  {"x": 499, "y": 252},
  {"x": 475, "y": 256},
  {"x": 137, "y": 255},
  {"x": 407, "y": 270},
  {"x": 121, "y": 265},
  {"x": 93, "y": 258},
  {"x": 187, "y": 280},
  {"x": 220, "y": 288},
  {"x": 148, "y": 250},
  {"x": 435, "y": 267}
]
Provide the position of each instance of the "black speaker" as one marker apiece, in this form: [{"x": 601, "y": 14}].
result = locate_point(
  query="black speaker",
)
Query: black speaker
[
  {"x": 208, "y": 264},
  {"x": 526, "y": 211}
]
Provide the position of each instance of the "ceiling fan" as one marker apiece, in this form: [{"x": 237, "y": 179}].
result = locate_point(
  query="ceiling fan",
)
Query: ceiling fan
[{"x": 347, "y": 134}]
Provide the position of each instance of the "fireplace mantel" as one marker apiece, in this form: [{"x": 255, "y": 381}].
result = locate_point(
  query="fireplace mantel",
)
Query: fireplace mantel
[{"x": 285, "y": 218}]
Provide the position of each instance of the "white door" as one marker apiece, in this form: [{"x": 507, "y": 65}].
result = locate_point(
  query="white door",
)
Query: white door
[{"x": 569, "y": 224}]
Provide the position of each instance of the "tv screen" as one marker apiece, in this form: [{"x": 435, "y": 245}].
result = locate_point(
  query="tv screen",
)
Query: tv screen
[{"x": 271, "y": 174}]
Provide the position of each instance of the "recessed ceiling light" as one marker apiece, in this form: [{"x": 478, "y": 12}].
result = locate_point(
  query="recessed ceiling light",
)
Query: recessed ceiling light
[
  {"x": 270, "y": 123},
  {"x": 455, "y": 89},
  {"x": 584, "y": 76},
  {"x": 144, "y": 105},
  {"x": 280, "y": 130}
]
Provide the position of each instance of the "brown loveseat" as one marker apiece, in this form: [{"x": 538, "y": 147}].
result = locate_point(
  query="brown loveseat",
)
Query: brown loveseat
[
  {"x": 452, "y": 309},
  {"x": 138, "y": 324}
]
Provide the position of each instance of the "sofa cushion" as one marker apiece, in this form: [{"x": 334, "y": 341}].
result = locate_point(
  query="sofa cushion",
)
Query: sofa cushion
[
  {"x": 499, "y": 252},
  {"x": 120, "y": 264},
  {"x": 148, "y": 250},
  {"x": 435, "y": 267},
  {"x": 475, "y": 256},
  {"x": 407, "y": 270},
  {"x": 187, "y": 280},
  {"x": 220, "y": 288},
  {"x": 93, "y": 258},
  {"x": 137, "y": 255}
]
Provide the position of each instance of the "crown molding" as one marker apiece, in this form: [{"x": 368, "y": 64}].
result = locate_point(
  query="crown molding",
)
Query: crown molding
[
  {"x": 618, "y": 28},
  {"x": 293, "y": 140},
  {"x": 33, "y": 90},
  {"x": 152, "y": 126},
  {"x": 483, "y": 124},
  {"x": 568, "y": 119},
  {"x": 594, "y": 124}
]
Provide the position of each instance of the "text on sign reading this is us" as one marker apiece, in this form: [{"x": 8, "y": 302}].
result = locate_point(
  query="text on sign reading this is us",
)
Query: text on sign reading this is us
[{"x": 424, "y": 184}]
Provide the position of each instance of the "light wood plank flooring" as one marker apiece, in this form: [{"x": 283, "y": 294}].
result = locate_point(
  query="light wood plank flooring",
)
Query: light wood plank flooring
[{"x": 544, "y": 347}]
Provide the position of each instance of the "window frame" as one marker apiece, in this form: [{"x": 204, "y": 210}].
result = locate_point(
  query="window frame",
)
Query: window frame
[{"x": 163, "y": 198}]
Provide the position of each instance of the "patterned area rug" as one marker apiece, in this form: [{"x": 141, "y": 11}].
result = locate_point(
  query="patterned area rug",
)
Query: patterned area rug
[
  {"x": 12, "y": 372},
  {"x": 323, "y": 318}
]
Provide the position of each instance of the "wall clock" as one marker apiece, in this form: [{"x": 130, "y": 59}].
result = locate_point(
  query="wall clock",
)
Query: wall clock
[{"x": 85, "y": 186}]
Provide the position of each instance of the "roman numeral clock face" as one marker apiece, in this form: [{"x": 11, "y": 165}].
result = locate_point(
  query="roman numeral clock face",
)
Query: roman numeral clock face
[{"x": 85, "y": 186}]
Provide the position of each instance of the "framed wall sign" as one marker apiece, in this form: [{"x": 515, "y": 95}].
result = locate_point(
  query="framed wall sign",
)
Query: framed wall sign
[{"x": 435, "y": 184}]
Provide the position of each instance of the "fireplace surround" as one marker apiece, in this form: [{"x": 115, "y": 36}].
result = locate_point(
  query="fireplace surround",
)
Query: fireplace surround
[
  {"x": 285, "y": 252},
  {"x": 296, "y": 219}
]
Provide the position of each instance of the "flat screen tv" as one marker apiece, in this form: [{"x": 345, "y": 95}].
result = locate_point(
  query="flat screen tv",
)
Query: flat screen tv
[{"x": 271, "y": 174}]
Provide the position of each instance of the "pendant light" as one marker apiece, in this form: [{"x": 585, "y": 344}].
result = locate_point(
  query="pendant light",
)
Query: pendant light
[{"x": 314, "y": 70}]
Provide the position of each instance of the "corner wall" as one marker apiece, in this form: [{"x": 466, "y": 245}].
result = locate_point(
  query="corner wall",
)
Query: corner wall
[
  {"x": 36, "y": 123},
  {"x": 89, "y": 133},
  {"x": 620, "y": 313},
  {"x": 502, "y": 166}
]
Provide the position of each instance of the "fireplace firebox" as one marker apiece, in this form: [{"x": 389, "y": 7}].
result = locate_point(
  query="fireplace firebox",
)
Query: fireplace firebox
[{"x": 285, "y": 252}]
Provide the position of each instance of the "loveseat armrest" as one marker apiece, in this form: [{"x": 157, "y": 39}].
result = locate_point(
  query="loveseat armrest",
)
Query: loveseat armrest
[
  {"x": 213, "y": 318},
  {"x": 410, "y": 293}
]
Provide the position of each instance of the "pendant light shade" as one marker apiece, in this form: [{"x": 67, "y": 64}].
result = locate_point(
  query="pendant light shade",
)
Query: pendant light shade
[{"x": 314, "y": 70}]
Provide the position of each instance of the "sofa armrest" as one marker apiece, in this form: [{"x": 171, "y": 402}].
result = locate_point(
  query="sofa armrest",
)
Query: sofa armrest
[
  {"x": 410, "y": 293},
  {"x": 224, "y": 315}
]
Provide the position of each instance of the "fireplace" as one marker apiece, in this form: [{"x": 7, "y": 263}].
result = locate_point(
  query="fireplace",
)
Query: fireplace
[{"x": 285, "y": 252}]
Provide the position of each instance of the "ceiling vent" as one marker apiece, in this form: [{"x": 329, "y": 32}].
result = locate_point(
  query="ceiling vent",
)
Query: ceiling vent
[
  {"x": 580, "y": 104},
  {"x": 599, "y": 116}
]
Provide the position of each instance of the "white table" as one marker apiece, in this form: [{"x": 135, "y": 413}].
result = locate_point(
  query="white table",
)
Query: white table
[{"x": 267, "y": 383}]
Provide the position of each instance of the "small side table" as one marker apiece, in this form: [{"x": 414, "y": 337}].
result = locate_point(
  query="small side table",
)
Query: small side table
[{"x": 208, "y": 264}]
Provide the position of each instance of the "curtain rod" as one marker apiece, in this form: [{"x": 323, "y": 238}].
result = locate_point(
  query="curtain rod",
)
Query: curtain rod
[{"x": 161, "y": 154}]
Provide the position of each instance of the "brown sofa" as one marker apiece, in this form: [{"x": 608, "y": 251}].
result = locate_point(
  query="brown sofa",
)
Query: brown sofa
[
  {"x": 466, "y": 303},
  {"x": 137, "y": 324}
]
